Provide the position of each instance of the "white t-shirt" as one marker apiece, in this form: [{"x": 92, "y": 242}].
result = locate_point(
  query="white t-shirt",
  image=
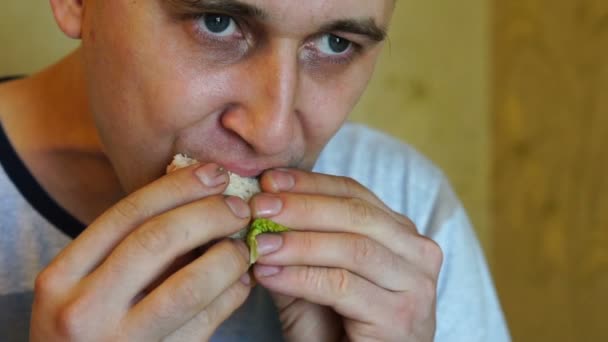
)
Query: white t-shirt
[{"x": 467, "y": 306}]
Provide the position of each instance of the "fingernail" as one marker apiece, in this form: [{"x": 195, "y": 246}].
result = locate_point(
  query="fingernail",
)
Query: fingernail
[
  {"x": 266, "y": 205},
  {"x": 266, "y": 271},
  {"x": 282, "y": 180},
  {"x": 238, "y": 207},
  {"x": 212, "y": 175},
  {"x": 246, "y": 279},
  {"x": 269, "y": 243}
]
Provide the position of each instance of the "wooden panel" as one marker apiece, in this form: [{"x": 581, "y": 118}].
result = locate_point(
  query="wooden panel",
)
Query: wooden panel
[
  {"x": 29, "y": 38},
  {"x": 431, "y": 88},
  {"x": 550, "y": 166}
]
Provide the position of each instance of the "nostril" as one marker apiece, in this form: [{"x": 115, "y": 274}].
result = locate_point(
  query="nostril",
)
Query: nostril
[{"x": 234, "y": 130}]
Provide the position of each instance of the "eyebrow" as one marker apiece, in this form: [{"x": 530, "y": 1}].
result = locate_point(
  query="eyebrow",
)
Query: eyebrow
[
  {"x": 365, "y": 26},
  {"x": 232, "y": 7}
]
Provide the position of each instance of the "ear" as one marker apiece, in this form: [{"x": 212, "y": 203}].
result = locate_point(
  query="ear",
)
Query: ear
[{"x": 69, "y": 15}]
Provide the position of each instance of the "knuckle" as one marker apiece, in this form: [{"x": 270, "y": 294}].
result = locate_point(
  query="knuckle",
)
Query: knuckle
[
  {"x": 198, "y": 328},
  {"x": 213, "y": 314},
  {"x": 425, "y": 300},
  {"x": 175, "y": 186},
  {"x": 206, "y": 317},
  {"x": 340, "y": 281},
  {"x": 233, "y": 297},
  {"x": 129, "y": 208},
  {"x": 237, "y": 294},
  {"x": 237, "y": 258},
  {"x": 182, "y": 296},
  {"x": 188, "y": 292},
  {"x": 364, "y": 250},
  {"x": 427, "y": 289},
  {"x": 70, "y": 320},
  {"x": 46, "y": 283},
  {"x": 359, "y": 212},
  {"x": 369, "y": 332},
  {"x": 307, "y": 206},
  {"x": 349, "y": 186},
  {"x": 310, "y": 275},
  {"x": 404, "y": 312},
  {"x": 306, "y": 243},
  {"x": 153, "y": 238},
  {"x": 165, "y": 307},
  {"x": 431, "y": 254},
  {"x": 408, "y": 223}
]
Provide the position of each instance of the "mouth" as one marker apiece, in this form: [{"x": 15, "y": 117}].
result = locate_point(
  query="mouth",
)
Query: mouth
[{"x": 243, "y": 169}]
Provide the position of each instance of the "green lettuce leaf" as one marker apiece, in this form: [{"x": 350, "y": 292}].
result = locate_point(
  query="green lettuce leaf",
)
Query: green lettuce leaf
[{"x": 260, "y": 226}]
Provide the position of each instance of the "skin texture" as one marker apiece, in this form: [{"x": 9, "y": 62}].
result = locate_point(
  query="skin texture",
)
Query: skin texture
[
  {"x": 178, "y": 87},
  {"x": 147, "y": 84}
]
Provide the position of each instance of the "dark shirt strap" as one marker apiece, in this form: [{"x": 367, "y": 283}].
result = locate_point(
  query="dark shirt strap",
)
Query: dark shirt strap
[{"x": 29, "y": 187}]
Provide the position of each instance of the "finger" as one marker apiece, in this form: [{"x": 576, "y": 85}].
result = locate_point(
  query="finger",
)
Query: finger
[
  {"x": 349, "y": 295},
  {"x": 308, "y": 212},
  {"x": 298, "y": 315},
  {"x": 206, "y": 322},
  {"x": 168, "y": 192},
  {"x": 355, "y": 253},
  {"x": 144, "y": 254},
  {"x": 299, "y": 181},
  {"x": 188, "y": 292}
]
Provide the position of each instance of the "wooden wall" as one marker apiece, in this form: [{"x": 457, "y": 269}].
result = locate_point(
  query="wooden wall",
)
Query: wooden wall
[
  {"x": 431, "y": 89},
  {"x": 550, "y": 168}
]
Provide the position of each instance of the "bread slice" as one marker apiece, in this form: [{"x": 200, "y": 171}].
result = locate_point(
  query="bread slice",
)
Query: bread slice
[{"x": 243, "y": 187}]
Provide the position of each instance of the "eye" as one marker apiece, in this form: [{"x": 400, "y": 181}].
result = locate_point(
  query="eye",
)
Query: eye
[
  {"x": 330, "y": 44},
  {"x": 220, "y": 25}
]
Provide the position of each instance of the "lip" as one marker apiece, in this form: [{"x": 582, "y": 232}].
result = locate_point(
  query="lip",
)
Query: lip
[{"x": 244, "y": 171}]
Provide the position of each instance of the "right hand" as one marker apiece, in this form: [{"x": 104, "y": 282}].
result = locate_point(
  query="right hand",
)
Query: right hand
[{"x": 119, "y": 280}]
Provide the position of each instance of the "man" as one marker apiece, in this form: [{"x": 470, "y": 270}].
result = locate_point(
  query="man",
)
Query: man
[{"x": 260, "y": 88}]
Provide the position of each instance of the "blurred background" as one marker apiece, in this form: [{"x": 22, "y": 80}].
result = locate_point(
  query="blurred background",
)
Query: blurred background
[{"x": 507, "y": 98}]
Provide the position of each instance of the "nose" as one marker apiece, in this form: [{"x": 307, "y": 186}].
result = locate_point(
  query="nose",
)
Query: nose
[{"x": 265, "y": 115}]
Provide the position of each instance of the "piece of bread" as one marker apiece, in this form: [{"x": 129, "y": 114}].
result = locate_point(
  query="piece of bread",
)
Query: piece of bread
[{"x": 243, "y": 187}]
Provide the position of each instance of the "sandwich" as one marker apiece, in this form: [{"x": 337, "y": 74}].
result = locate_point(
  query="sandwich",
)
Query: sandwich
[{"x": 245, "y": 188}]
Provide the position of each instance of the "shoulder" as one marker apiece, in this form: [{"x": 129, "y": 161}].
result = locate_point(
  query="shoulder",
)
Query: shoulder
[
  {"x": 9, "y": 90},
  {"x": 363, "y": 150},
  {"x": 396, "y": 172},
  {"x": 18, "y": 95},
  {"x": 467, "y": 306}
]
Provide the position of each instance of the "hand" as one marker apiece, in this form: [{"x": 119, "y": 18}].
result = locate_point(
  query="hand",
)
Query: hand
[
  {"x": 120, "y": 281},
  {"x": 350, "y": 269}
]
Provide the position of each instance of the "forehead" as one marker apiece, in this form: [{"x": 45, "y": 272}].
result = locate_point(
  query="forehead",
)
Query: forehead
[
  {"x": 319, "y": 8},
  {"x": 299, "y": 14}
]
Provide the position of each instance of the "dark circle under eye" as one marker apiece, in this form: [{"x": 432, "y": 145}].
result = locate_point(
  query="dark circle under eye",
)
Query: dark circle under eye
[
  {"x": 338, "y": 44},
  {"x": 217, "y": 23}
]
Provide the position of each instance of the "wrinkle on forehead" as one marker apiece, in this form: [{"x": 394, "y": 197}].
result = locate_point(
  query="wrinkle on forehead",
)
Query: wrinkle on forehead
[{"x": 303, "y": 15}]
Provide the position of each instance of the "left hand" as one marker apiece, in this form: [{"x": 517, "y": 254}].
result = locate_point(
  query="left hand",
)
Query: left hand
[{"x": 350, "y": 268}]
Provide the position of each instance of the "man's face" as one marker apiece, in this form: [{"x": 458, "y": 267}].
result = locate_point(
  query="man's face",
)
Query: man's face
[{"x": 249, "y": 84}]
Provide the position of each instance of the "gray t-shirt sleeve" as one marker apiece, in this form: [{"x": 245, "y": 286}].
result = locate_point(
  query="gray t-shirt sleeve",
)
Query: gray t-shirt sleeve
[{"x": 468, "y": 309}]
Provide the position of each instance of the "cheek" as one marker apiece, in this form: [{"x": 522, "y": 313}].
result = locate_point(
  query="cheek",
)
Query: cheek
[
  {"x": 143, "y": 87},
  {"x": 142, "y": 81},
  {"x": 327, "y": 102}
]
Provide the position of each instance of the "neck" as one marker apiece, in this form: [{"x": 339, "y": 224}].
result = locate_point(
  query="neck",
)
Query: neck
[
  {"x": 63, "y": 120},
  {"x": 53, "y": 131}
]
